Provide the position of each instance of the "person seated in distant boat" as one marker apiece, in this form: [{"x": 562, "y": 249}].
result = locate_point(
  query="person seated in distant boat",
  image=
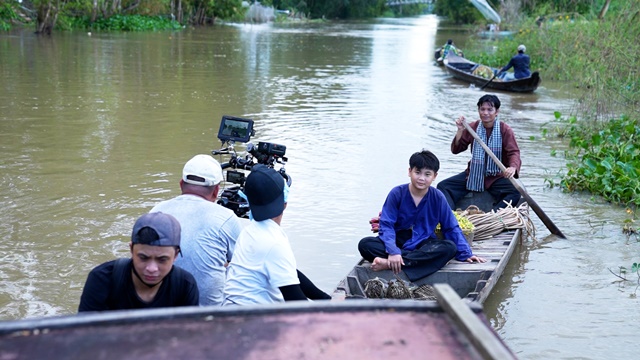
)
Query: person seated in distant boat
[
  {"x": 482, "y": 173},
  {"x": 520, "y": 64},
  {"x": 263, "y": 269},
  {"x": 448, "y": 47},
  {"x": 406, "y": 233},
  {"x": 148, "y": 279}
]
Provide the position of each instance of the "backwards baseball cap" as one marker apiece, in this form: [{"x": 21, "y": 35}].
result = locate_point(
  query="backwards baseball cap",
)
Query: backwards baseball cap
[
  {"x": 522, "y": 48},
  {"x": 264, "y": 189},
  {"x": 202, "y": 170},
  {"x": 166, "y": 227}
]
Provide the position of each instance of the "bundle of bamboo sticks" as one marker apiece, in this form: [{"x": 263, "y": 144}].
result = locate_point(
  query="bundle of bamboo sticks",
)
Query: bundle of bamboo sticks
[{"x": 492, "y": 223}]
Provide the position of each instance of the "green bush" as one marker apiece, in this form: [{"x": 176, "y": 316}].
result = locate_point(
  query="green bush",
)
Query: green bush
[
  {"x": 458, "y": 11},
  {"x": 134, "y": 23},
  {"x": 7, "y": 15},
  {"x": 603, "y": 158}
]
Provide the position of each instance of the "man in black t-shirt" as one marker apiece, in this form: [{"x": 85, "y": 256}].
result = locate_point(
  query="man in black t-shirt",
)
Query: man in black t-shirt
[{"x": 147, "y": 280}]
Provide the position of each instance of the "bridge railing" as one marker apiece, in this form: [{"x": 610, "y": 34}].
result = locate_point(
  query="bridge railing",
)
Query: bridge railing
[{"x": 407, "y": 2}]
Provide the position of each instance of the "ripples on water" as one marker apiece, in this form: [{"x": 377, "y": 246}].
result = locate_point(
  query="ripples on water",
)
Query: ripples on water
[{"x": 88, "y": 145}]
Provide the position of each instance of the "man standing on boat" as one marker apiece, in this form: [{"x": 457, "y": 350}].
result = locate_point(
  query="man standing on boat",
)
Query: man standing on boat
[
  {"x": 406, "y": 239},
  {"x": 519, "y": 63},
  {"x": 263, "y": 269},
  {"x": 148, "y": 279},
  {"x": 209, "y": 230},
  {"x": 482, "y": 173}
]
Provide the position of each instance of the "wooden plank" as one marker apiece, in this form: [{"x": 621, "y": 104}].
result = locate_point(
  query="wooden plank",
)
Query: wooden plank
[
  {"x": 483, "y": 339},
  {"x": 516, "y": 238}
]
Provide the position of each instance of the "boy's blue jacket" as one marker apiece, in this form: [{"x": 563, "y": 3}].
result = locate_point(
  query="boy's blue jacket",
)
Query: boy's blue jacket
[{"x": 400, "y": 213}]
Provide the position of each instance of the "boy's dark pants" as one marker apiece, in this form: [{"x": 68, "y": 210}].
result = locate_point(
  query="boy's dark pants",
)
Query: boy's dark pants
[
  {"x": 455, "y": 187},
  {"x": 428, "y": 257}
]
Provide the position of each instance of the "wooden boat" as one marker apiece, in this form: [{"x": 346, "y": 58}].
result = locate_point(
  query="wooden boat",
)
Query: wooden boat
[
  {"x": 473, "y": 282},
  {"x": 486, "y": 34},
  {"x": 463, "y": 69},
  {"x": 448, "y": 329},
  {"x": 438, "y": 53}
]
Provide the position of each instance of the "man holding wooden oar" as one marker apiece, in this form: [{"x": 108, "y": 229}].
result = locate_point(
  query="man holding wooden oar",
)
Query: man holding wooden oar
[{"x": 482, "y": 173}]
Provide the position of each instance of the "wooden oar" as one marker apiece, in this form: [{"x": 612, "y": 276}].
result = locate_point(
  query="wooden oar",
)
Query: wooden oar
[
  {"x": 534, "y": 205},
  {"x": 485, "y": 85}
]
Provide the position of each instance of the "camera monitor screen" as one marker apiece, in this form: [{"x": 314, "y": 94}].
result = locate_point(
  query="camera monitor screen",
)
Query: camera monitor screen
[{"x": 235, "y": 129}]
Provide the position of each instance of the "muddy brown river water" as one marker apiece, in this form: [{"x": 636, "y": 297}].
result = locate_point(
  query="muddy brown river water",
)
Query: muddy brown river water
[{"x": 95, "y": 128}]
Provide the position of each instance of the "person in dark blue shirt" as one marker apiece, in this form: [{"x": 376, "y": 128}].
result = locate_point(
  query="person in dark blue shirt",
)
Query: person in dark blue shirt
[
  {"x": 406, "y": 239},
  {"x": 519, "y": 63}
]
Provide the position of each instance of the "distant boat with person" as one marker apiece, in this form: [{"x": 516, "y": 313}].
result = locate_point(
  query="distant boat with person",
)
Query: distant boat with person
[{"x": 484, "y": 76}]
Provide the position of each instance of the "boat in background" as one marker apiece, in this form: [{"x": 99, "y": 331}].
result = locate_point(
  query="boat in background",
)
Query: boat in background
[
  {"x": 487, "y": 34},
  {"x": 480, "y": 75}
]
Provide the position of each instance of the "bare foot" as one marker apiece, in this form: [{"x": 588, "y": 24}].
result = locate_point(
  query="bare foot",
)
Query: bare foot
[{"x": 380, "y": 264}]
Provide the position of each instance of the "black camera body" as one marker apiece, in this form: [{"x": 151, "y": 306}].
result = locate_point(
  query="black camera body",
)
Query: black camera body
[
  {"x": 271, "y": 149},
  {"x": 231, "y": 199},
  {"x": 234, "y": 129}
]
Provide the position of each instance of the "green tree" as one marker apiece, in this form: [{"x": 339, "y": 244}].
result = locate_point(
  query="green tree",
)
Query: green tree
[
  {"x": 46, "y": 15},
  {"x": 458, "y": 11}
]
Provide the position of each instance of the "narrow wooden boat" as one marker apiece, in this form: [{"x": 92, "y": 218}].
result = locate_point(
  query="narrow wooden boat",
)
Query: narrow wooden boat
[
  {"x": 467, "y": 70},
  {"x": 448, "y": 329},
  {"x": 471, "y": 281},
  {"x": 486, "y": 34}
]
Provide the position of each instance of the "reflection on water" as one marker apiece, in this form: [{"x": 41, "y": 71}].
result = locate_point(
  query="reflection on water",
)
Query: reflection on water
[{"x": 94, "y": 131}]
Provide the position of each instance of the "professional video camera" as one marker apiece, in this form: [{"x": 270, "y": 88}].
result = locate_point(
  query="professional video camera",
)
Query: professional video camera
[{"x": 234, "y": 129}]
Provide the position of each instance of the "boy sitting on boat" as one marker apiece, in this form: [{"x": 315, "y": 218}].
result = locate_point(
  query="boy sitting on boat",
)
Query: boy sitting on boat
[{"x": 406, "y": 239}]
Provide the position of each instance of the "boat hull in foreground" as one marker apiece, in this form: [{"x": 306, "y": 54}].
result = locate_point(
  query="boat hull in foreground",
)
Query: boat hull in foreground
[{"x": 356, "y": 329}]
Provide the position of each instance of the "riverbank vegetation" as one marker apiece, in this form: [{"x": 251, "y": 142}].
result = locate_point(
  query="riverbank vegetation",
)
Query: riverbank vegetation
[
  {"x": 145, "y": 15},
  {"x": 594, "y": 52}
]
